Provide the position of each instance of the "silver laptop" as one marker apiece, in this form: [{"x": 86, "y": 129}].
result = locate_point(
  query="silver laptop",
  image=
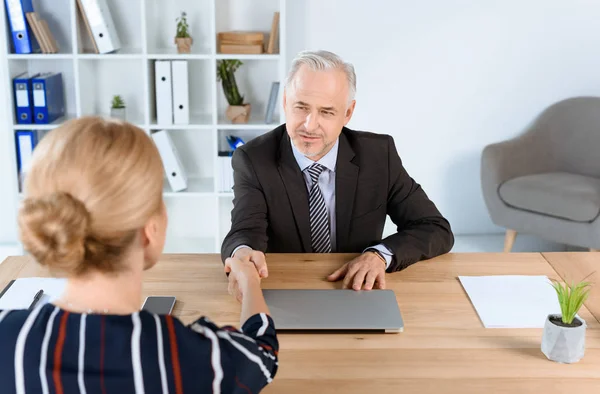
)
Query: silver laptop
[{"x": 334, "y": 310}]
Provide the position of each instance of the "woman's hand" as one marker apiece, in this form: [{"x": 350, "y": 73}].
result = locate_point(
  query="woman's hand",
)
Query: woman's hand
[{"x": 243, "y": 277}]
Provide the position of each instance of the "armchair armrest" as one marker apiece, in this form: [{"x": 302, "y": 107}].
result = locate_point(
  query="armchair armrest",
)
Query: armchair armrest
[
  {"x": 500, "y": 162},
  {"x": 516, "y": 157}
]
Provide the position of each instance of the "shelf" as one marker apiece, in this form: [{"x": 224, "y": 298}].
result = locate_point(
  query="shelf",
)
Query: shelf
[
  {"x": 200, "y": 216},
  {"x": 171, "y": 53},
  {"x": 40, "y": 56},
  {"x": 123, "y": 54},
  {"x": 50, "y": 126},
  {"x": 197, "y": 122},
  {"x": 176, "y": 244},
  {"x": 242, "y": 56},
  {"x": 134, "y": 120},
  {"x": 255, "y": 123},
  {"x": 197, "y": 187}
]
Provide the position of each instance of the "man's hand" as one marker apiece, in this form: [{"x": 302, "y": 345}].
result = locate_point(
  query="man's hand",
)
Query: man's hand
[
  {"x": 366, "y": 269},
  {"x": 256, "y": 257},
  {"x": 242, "y": 276}
]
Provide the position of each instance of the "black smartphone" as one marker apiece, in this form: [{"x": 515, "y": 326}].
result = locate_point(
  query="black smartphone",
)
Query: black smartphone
[{"x": 161, "y": 305}]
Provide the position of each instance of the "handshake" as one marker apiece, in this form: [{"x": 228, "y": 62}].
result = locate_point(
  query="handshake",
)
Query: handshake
[
  {"x": 247, "y": 267},
  {"x": 244, "y": 275}
]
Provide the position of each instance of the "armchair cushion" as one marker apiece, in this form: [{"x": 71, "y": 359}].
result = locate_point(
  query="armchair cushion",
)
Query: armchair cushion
[{"x": 559, "y": 194}]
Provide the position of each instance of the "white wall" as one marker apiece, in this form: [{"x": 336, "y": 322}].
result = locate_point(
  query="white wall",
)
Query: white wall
[{"x": 447, "y": 77}]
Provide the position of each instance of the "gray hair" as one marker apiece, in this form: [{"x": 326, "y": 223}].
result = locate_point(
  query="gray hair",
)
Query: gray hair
[{"x": 323, "y": 60}]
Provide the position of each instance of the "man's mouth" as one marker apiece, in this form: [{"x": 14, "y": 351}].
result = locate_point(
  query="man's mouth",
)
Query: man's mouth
[{"x": 309, "y": 137}]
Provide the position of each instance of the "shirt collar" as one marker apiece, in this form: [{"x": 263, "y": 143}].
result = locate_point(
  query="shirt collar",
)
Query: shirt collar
[{"x": 328, "y": 161}]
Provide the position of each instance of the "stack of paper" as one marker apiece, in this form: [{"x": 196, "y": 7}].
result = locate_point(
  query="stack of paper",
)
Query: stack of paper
[
  {"x": 509, "y": 301},
  {"x": 20, "y": 293}
]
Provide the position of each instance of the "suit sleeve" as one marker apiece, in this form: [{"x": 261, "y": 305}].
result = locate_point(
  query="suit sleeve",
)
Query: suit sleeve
[
  {"x": 422, "y": 231},
  {"x": 249, "y": 214}
]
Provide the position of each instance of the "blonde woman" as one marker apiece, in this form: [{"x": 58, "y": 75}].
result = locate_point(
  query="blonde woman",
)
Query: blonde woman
[{"x": 93, "y": 211}]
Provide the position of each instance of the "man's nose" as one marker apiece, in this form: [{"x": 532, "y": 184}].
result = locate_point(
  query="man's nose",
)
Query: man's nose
[{"x": 310, "y": 123}]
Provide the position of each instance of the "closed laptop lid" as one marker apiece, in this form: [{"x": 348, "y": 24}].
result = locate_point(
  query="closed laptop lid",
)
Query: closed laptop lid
[{"x": 334, "y": 310}]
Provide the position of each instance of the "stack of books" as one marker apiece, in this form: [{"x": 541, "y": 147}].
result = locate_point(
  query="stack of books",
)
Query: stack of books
[
  {"x": 42, "y": 33},
  {"x": 246, "y": 42},
  {"x": 250, "y": 42}
]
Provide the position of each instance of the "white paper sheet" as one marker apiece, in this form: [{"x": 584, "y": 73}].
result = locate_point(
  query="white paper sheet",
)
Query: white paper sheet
[
  {"x": 512, "y": 301},
  {"x": 21, "y": 293}
]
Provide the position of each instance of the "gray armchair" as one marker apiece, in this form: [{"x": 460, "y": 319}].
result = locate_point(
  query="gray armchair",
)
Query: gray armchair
[{"x": 546, "y": 181}]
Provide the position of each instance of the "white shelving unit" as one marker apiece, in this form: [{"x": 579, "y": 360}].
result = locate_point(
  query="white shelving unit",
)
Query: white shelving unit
[{"x": 199, "y": 218}]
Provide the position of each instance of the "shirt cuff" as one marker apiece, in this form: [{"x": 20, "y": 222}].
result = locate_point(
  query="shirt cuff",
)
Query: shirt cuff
[
  {"x": 238, "y": 248},
  {"x": 385, "y": 252}
]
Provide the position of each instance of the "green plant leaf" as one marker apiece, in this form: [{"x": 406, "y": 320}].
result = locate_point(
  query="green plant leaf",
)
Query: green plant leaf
[
  {"x": 226, "y": 69},
  {"x": 182, "y": 26},
  {"x": 571, "y": 298},
  {"x": 118, "y": 102}
]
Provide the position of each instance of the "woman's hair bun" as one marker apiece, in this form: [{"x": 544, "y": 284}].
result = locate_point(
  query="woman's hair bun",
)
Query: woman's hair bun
[{"x": 54, "y": 230}]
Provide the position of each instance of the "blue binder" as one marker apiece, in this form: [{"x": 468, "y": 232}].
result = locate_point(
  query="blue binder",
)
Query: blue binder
[
  {"x": 22, "y": 36},
  {"x": 26, "y": 140},
  {"x": 48, "y": 98},
  {"x": 23, "y": 98}
]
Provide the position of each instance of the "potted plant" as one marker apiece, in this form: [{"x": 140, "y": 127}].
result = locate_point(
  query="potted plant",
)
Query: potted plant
[
  {"x": 117, "y": 109},
  {"x": 237, "y": 111},
  {"x": 563, "y": 339},
  {"x": 183, "y": 39}
]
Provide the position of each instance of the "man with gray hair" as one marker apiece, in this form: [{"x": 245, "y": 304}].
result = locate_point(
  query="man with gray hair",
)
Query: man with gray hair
[{"x": 312, "y": 185}]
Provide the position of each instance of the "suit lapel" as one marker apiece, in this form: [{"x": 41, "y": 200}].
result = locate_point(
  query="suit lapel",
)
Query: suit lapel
[
  {"x": 346, "y": 179},
  {"x": 295, "y": 187}
]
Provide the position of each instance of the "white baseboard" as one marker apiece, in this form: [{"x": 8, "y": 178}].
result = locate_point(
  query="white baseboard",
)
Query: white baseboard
[{"x": 482, "y": 243}]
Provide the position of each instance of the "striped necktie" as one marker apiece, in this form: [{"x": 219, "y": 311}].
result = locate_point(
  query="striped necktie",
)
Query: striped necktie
[{"x": 319, "y": 219}]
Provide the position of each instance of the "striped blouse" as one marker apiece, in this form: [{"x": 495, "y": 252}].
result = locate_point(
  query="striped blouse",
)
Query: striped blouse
[{"x": 52, "y": 351}]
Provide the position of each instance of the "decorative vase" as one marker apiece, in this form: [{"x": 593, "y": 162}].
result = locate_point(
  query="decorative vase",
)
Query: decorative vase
[
  {"x": 238, "y": 113},
  {"x": 118, "y": 113},
  {"x": 562, "y": 343},
  {"x": 184, "y": 45}
]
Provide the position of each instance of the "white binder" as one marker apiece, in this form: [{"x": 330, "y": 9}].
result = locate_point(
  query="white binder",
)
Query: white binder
[
  {"x": 101, "y": 24},
  {"x": 173, "y": 168},
  {"x": 164, "y": 92},
  {"x": 226, "y": 173},
  {"x": 181, "y": 95}
]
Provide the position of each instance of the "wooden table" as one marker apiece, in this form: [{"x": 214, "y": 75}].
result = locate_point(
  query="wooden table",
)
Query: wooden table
[{"x": 444, "y": 348}]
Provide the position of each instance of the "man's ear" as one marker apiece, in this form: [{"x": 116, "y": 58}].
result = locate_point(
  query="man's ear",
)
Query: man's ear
[{"x": 349, "y": 112}]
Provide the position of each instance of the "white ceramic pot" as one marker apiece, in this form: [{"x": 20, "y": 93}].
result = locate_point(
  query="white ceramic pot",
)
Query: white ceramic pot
[
  {"x": 563, "y": 344},
  {"x": 118, "y": 113}
]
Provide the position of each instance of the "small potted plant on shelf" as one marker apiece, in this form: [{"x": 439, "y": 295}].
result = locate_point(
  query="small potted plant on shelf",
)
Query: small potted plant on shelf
[
  {"x": 563, "y": 339},
  {"x": 237, "y": 111},
  {"x": 117, "y": 109},
  {"x": 183, "y": 39}
]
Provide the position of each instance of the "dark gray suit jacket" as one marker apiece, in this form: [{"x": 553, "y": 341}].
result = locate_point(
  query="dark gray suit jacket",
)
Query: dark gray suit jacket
[{"x": 270, "y": 210}]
